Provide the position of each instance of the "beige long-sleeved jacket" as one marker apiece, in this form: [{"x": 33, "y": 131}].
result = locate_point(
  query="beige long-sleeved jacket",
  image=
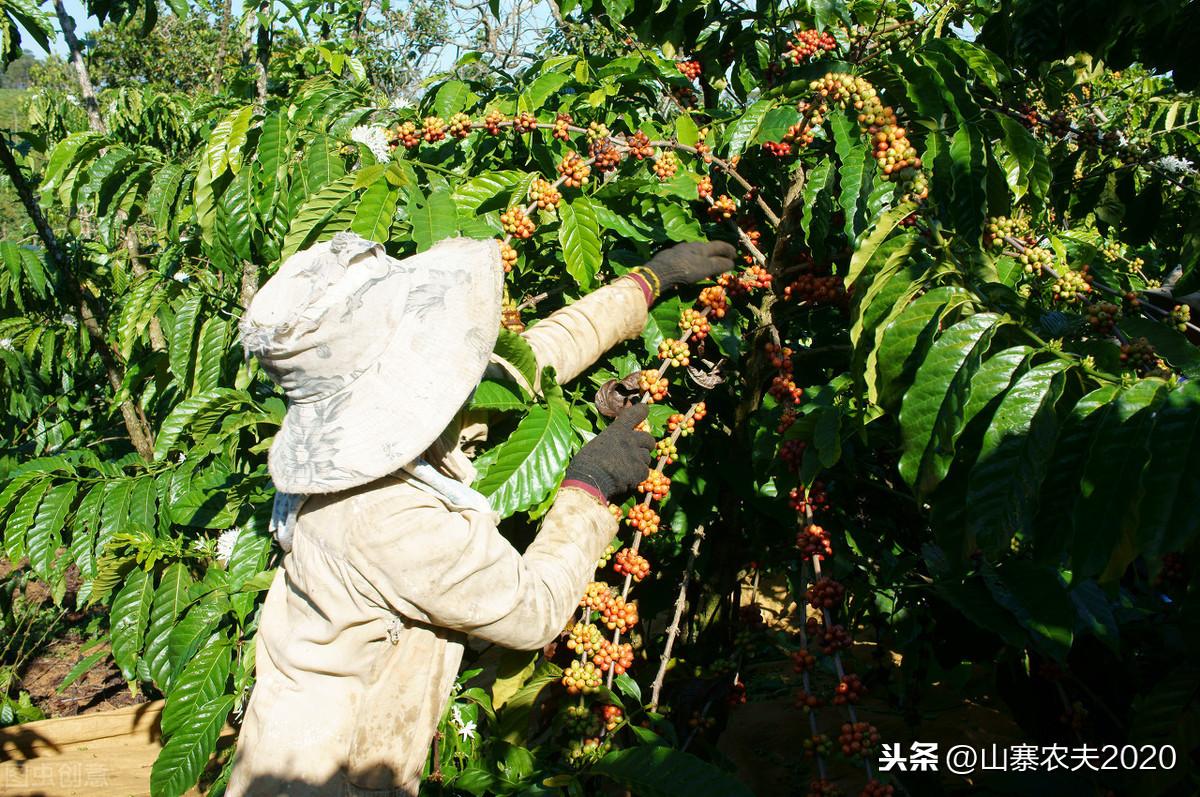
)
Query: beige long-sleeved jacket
[{"x": 362, "y": 631}]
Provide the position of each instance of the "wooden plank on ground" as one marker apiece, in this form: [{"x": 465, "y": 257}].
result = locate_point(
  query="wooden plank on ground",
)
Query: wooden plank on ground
[{"x": 105, "y": 754}]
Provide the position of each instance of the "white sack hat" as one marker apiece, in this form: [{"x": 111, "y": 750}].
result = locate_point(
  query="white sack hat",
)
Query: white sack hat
[{"x": 374, "y": 354}]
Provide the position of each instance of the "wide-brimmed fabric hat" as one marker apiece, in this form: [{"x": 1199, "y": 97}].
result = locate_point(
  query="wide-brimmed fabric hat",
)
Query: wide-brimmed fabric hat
[{"x": 374, "y": 354}]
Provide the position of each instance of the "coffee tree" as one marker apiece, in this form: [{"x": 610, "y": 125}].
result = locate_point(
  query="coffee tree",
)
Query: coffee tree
[{"x": 946, "y": 401}]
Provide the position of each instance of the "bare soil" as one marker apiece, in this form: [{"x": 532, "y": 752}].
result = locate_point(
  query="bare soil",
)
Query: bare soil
[{"x": 99, "y": 689}]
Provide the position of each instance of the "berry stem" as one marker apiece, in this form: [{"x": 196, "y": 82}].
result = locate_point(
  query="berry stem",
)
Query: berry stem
[
  {"x": 673, "y": 630},
  {"x": 724, "y": 166}
]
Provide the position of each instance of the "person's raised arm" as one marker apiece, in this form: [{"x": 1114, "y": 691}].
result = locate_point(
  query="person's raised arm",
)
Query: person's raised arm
[
  {"x": 455, "y": 570},
  {"x": 572, "y": 338}
]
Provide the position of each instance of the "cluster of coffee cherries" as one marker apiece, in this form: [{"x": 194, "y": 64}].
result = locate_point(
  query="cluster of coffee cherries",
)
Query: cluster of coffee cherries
[
  {"x": 694, "y": 323},
  {"x": 653, "y": 385},
  {"x": 723, "y": 208},
  {"x": 683, "y": 423},
  {"x": 791, "y": 453},
  {"x": 783, "y": 387},
  {"x": 585, "y": 639},
  {"x": 806, "y": 701},
  {"x": 1102, "y": 317},
  {"x": 617, "y": 657},
  {"x": 615, "y": 612},
  {"x": 690, "y": 69},
  {"x": 543, "y": 193},
  {"x": 666, "y": 166},
  {"x": 817, "y": 745},
  {"x": 814, "y": 542},
  {"x": 657, "y": 484},
  {"x": 1180, "y": 317},
  {"x": 1071, "y": 285},
  {"x": 808, "y": 501},
  {"x": 779, "y": 149},
  {"x": 574, "y": 169},
  {"x": 825, "y": 593},
  {"x": 516, "y": 223},
  {"x": 630, "y": 563},
  {"x": 894, "y": 153},
  {"x": 1140, "y": 355},
  {"x": 807, "y": 43},
  {"x": 582, "y": 677},
  {"x": 643, "y": 518},
  {"x": 849, "y": 690},
  {"x": 749, "y": 280},
  {"x": 829, "y": 637},
  {"x": 998, "y": 228},
  {"x": 1034, "y": 259},
  {"x": 676, "y": 351},
  {"x": 858, "y": 738},
  {"x": 816, "y": 289},
  {"x": 716, "y": 299}
]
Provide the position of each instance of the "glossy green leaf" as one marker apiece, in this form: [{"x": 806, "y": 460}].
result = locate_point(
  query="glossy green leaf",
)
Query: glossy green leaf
[
  {"x": 531, "y": 461},
  {"x": 1170, "y": 484},
  {"x": 189, "y": 748},
  {"x": 21, "y": 518},
  {"x": 1036, "y": 596},
  {"x": 433, "y": 218},
  {"x": 45, "y": 537},
  {"x": 197, "y": 625},
  {"x": 742, "y": 131},
  {"x": 905, "y": 341},
  {"x": 1104, "y": 518},
  {"x": 1014, "y": 458},
  {"x": 127, "y": 620},
  {"x": 932, "y": 414},
  {"x": 375, "y": 211},
  {"x": 170, "y": 600},
  {"x": 202, "y": 679},
  {"x": 579, "y": 235},
  {"x": 312, "y": 218}
]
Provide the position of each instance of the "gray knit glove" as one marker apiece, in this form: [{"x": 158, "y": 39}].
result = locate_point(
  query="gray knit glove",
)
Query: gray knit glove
[
  {"x": 615, "y": 460},
  {"x": 684, "y": 264}
]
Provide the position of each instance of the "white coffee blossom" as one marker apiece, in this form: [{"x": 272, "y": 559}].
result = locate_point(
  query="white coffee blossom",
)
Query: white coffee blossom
[
  {"x": 70, "y": 321},
  {"x": 456, "y": 715},
  {"x": 225, "y": 544},
  {"x": 6, "y": 344},
  {"x": 1173, "y": 164},
  {"x": 181, "y": 277},
  {"x": 467, "y": 731},
  {"x": 374, "y": 139}
]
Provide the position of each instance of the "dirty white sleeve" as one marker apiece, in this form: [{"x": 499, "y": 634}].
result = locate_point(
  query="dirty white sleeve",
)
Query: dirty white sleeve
[
  {"x": 572, "y": 338},
  {"x": 455, "y": 570}
]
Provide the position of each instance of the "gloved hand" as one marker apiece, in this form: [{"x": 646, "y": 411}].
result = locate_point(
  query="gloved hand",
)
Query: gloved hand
[
  {"x": 684, "y": 264},
  {"x": 615, "y": 460}
]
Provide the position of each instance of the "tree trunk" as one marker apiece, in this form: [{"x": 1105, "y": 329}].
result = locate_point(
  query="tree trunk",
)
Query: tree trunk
[
  {"x": 223, "y": 26},
  {"x": 362, "y": 19},
  {"x": 262, "y": 56},
  {"x": 158, "y": 340},
  {"x": 135, "y": 422},
  {"x": 75, "y": 55},
  {"x": 249, "y": 283}
]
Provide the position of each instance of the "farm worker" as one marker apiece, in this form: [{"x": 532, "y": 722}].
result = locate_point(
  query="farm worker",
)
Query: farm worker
[{"x": 392, "y": 559}]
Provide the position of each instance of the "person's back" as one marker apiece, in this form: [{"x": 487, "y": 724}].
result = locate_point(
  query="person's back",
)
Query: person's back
[{"x": 392, "y": 558}]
